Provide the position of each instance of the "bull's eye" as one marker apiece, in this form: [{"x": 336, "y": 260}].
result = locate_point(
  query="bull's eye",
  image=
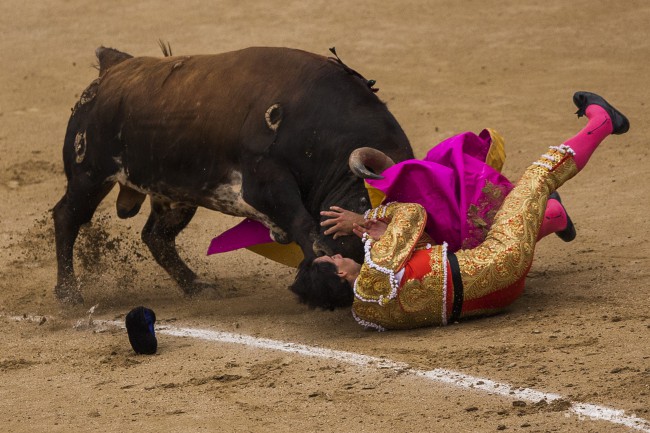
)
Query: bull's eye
[{"x": 363, "y": 201}]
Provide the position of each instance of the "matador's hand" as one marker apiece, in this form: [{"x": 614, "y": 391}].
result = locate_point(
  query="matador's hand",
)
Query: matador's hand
[
  {"x": 341, "y": 221},
  {"x": 375, "y": 228}
]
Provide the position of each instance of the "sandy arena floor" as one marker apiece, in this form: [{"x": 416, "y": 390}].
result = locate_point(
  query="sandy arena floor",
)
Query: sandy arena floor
[{"x": 581, "y": 330}]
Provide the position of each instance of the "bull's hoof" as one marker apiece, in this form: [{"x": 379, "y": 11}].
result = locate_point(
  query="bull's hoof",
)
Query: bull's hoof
[
  {"x": 68, "y": 294},
  {"x": 197, "y": 286},
  {"x": 281, "y": 238}
]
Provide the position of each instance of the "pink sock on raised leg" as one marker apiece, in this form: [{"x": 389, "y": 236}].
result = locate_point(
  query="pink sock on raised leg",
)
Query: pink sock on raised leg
[
  {"x": 587, "y": 140},
  {"x": 555, "y": 219}
]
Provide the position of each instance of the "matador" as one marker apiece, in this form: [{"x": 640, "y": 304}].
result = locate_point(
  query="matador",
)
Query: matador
[{"x": 407, "y": 280}]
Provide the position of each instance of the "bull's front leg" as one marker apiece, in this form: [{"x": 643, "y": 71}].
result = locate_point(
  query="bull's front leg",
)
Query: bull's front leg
[{"x": 273, "y": 191}]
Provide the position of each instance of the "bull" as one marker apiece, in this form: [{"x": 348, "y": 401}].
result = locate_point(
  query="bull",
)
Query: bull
[{"x": 263, "y": 133}]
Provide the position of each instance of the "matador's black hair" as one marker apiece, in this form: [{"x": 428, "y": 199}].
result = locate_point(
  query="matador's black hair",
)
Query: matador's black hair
[{"x": 318, "y": 286}]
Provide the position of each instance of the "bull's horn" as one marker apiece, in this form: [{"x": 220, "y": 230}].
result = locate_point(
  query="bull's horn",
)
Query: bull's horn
[{"x": 364, "y": 157}]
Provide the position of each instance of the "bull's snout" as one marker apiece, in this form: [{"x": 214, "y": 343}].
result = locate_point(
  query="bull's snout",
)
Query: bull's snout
[
  {"x": 321, "y": 247},
  {"x": 348, "y": 246}
]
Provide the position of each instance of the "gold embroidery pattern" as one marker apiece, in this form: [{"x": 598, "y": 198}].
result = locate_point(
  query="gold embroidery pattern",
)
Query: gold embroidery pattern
[
  {"x": 418, "y": 304},
  {"x": 392, "y": 316},
  {"x": 372, "y": 285},
  {"x": 562, "y": 172},
  {"x": 481, "y": 215},
  {"x": 508, "y": 250},
  {"x": 416, "y": 295},
  {"x": 407, "y": 222}
]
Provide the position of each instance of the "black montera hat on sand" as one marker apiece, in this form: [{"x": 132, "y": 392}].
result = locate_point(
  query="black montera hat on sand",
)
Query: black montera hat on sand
[{"x": 139, "y": 326}]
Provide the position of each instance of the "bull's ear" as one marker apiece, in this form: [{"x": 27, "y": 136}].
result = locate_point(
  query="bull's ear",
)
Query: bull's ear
[{"x": 108, "y": 57}]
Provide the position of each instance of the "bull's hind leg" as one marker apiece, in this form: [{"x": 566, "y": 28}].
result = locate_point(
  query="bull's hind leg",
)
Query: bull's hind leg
[
  {"x": 159, "y": 234},
  {"x": 76, "y": 208}
]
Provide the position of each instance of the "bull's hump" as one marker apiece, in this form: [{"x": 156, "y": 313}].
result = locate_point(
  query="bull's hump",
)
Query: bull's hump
[
  {"x": 270, "y": 62},
  {"x": 249, "y": 79}
]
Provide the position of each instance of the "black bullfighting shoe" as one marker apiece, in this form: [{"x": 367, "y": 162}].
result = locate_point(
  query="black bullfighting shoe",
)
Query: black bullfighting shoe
[
  {"x": 569, "y": 233},
  {"x": 582, "y": 100},
  {"x": 139, "y": 326}
]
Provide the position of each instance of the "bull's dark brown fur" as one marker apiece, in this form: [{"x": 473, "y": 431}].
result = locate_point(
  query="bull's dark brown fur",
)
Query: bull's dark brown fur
[{"x": 180, "y": 128}]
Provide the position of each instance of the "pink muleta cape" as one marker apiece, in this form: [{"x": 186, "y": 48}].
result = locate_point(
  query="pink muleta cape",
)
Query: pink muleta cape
[{"x": 454, "y": 183}]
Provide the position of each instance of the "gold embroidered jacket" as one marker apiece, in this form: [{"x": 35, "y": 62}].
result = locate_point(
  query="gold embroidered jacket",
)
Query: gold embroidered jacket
[{"x": 383, "y": 301}]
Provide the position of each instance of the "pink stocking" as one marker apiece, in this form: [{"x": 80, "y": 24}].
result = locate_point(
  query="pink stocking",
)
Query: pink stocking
[
  {"x": 555, "y": 219},
  {"x": 587, "y": 140}
]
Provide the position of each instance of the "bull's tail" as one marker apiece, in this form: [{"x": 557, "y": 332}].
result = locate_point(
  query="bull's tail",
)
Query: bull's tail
[
  {"x": 109, "y": 57},
  {"x": 74, "y": 146}
]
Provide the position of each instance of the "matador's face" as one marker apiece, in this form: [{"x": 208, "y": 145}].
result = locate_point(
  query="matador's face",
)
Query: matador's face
[{"x": 343, "y": 265}]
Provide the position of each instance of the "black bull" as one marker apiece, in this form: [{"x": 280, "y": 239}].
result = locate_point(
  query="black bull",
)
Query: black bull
[{"x": 262, "y": 132}]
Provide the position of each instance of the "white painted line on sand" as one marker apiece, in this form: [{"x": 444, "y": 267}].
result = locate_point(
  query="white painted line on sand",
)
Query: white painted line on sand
[{"x": 448, "y": 377}]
